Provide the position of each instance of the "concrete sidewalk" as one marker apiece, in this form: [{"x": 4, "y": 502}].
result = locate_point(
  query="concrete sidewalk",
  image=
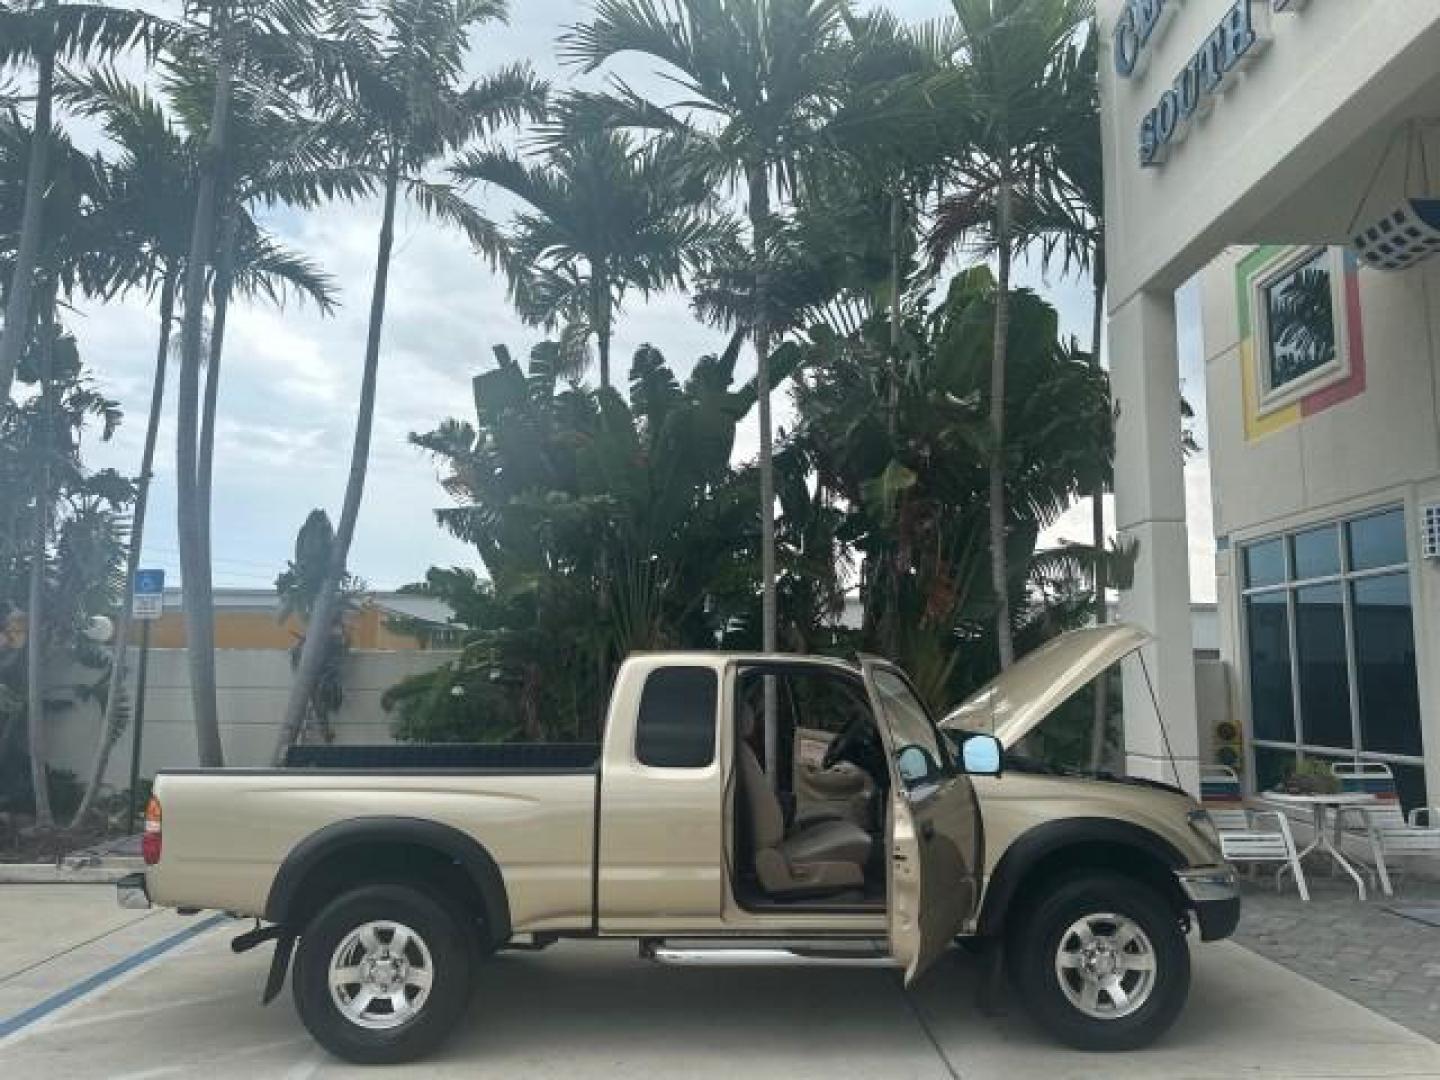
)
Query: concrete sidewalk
[{"x": 593, "y": 1009}]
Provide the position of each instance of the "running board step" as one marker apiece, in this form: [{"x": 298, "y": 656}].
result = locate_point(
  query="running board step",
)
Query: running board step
[{"x": 762, "y": 956}]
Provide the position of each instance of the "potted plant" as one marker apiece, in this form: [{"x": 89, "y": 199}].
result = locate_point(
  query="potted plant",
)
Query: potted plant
[{"x": 1310, "y": 777}]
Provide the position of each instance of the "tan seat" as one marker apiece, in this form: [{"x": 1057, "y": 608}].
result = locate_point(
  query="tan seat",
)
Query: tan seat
[{"x": 814, "y": 859}]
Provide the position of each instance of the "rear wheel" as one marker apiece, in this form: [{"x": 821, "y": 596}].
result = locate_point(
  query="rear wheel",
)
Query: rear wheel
[
  {"x": 383, "y": 974},
  {"x": 1101, "y": 962}
]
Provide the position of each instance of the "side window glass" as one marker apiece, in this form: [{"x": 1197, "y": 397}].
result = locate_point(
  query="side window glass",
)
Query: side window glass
[
  {"x": 676, "y": 725},
  {"x": 919, "y": 756}
]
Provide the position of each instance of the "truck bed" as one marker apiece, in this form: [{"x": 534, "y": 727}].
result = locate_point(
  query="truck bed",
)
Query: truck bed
[
  {"x": 538, "y": 758},
  {"x": 532, "y": 808}
]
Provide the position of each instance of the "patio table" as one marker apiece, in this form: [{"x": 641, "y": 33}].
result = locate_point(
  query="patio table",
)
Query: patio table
[{"x": 1318, "y": 806}]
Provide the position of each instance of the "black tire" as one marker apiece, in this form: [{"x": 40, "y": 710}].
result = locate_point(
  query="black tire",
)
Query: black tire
[
  {"x": 1035, "y": 941},
  {"x": 451, "y": 952}
]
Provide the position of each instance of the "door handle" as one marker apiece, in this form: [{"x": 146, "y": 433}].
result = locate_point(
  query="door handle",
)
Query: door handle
[{"x": 927, "y": 830}]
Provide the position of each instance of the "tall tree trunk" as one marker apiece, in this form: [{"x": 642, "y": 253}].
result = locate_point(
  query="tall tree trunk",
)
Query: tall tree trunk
[
  {"x": 759, "y": 206},
  {"x": 35, "y": 628},
  {"x": 1100, "y": 723},
  {"x": 32, "y": 223},
  {"x": 112, "y": 722},
  {"x": 759, "y": 200},
  {"x": 897, "y": 225},
  {"x": 35, "y": 654},
  {"x": 604, "y": 654},
  {"x": 223, "y": 285},
  {"x": 194, "y": 564},
  {"x": 890, "y": 623},
  {"x": 327, "y": 603},
  {"x": 600, "y": 316},
  {"x": 7, "y": 732},
  {"x": 999, "y": 570}
]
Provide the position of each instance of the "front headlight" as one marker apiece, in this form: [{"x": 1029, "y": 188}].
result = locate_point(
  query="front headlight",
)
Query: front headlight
[{"x": 1201, "y": 822}]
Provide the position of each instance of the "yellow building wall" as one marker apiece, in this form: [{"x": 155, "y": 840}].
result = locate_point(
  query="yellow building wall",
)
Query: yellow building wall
[{"x": 365, "y": 626}]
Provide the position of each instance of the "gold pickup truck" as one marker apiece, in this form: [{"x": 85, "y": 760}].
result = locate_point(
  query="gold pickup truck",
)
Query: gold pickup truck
[{"x": 869, "y": 834}]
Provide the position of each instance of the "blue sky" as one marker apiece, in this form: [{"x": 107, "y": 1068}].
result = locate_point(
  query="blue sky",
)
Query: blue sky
[{"x": 291, "y": 377}]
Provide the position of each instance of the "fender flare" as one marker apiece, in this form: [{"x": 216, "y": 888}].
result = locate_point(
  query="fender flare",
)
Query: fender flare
[
  {"x": 1030, "y": 847},
  {"x": 340, "y": 836}
]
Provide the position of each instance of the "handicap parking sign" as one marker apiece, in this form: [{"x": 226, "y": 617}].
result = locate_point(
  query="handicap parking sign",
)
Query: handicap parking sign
[{"x": 148, "y": 600}]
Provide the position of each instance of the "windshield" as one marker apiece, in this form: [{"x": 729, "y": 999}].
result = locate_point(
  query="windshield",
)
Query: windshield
[{"x": 920, "y": 756}]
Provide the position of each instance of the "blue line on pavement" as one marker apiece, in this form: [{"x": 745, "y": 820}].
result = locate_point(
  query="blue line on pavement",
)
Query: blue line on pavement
[{"x": 12, "y": 1024}]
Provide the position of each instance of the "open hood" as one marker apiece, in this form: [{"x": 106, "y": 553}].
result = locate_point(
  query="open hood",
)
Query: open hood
[{"x": 1012, "y": 704}]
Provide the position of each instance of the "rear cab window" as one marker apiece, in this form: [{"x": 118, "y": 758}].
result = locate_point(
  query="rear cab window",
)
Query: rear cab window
[{"x": 675, "y": 728}]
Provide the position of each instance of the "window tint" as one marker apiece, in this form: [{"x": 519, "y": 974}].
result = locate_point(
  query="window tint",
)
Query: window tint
[
  {"x": 676, "y": 726},
  {"x": 1317, "y": 553},
  {"x": 1348, "y": 644},
  {"x": 1301, "y": 318},
  {"x": 1265, "y": 563},
  {"x": 1272, "y": 705},
  {"x": 1385, "y": 665},
  {"x": 1272, "y": 766},
  {"x": 1410, "y": 786},
  {"x": 1324, "y": 674},
  {"x": 1378, "y": 541},
  {"x": 919, "y": 757}
]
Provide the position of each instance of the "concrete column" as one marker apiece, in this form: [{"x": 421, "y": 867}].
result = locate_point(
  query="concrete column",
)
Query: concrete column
[{"x": 1150, "y": 511}]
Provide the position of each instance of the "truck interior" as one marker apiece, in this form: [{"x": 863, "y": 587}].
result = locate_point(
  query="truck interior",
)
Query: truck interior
[{"x": 810, "y": 827}]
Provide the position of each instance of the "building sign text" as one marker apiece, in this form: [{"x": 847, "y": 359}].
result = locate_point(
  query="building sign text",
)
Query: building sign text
[{"x": 1241, "y": 36}]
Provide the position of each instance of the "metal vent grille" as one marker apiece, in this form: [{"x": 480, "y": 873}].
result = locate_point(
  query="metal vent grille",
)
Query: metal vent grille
[{"x": 1430, "y": 531}]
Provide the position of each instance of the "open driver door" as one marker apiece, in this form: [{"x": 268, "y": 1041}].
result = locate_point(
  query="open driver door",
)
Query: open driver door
[{"x": 934, "y": 841}]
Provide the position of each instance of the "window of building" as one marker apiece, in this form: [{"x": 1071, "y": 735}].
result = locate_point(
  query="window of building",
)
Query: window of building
[
  {"x": 1300, "y": 325},
  {"x": 1330, "y": 648},
  {"x": 676, "y": 725}
]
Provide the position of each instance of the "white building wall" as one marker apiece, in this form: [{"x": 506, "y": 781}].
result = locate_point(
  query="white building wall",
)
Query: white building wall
[
  {"x": 1285, "y": 154},
  {"x": 1379, "y": 448},
  {"x": 253, "y": 687}
]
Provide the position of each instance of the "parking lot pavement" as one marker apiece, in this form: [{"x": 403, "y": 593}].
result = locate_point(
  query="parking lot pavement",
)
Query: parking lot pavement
[
  {"x": 594, "y": 1010},
  {"x": 54, "y": 936}
]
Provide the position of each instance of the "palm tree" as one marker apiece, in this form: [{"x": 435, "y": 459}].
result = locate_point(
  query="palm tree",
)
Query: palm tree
[
  {"x": 1009, "y": 96},
  {"x": 399, "y": 104},
  {"x": 918, "y": 489},
  {"x": 42, "y": 450},
  {"x": 1303, "y": 323},
  {"x": 44, "y": 34},
  {"x": 604, "y": 217},
  {"x": 156, "y": 170},
  {"x": 1078, "y": 213},
  {"x": 757, "y": 79},
  {"x": 258, "y": 43},
  {"x": 893, "y": 139}
]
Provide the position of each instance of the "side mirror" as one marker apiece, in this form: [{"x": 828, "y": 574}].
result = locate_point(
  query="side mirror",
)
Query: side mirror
[{"x": 983, "y": 755}]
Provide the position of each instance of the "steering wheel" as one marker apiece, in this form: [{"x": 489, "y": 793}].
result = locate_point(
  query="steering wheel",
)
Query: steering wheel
[{"x": 842, "y": 747}]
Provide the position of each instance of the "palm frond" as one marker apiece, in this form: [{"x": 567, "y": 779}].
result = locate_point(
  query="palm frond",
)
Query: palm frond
[{"x": 446, "y": 205}]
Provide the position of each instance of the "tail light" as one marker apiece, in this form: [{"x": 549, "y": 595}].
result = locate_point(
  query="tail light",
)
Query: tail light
[{"x": 150, "y": 837}]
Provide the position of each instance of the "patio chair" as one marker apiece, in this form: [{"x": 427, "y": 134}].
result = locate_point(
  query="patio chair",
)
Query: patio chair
[
  {"x": 1248, "y": 835},
  {"x": 1384, "y": 823}
]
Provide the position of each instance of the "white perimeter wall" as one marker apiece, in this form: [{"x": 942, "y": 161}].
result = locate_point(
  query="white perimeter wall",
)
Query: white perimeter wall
[{"x": 253, "y": 688}]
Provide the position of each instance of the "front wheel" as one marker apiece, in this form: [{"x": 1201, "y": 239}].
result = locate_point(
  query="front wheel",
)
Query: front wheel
[
  {"x": 382, "y": 974},
  {"x": 1101, "y": 962}
]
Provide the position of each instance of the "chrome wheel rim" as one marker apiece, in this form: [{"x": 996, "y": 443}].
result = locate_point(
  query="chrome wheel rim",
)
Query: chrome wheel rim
[
  {"x": 1106, "y": 965},
  {"x": 380, "y": 975}
]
